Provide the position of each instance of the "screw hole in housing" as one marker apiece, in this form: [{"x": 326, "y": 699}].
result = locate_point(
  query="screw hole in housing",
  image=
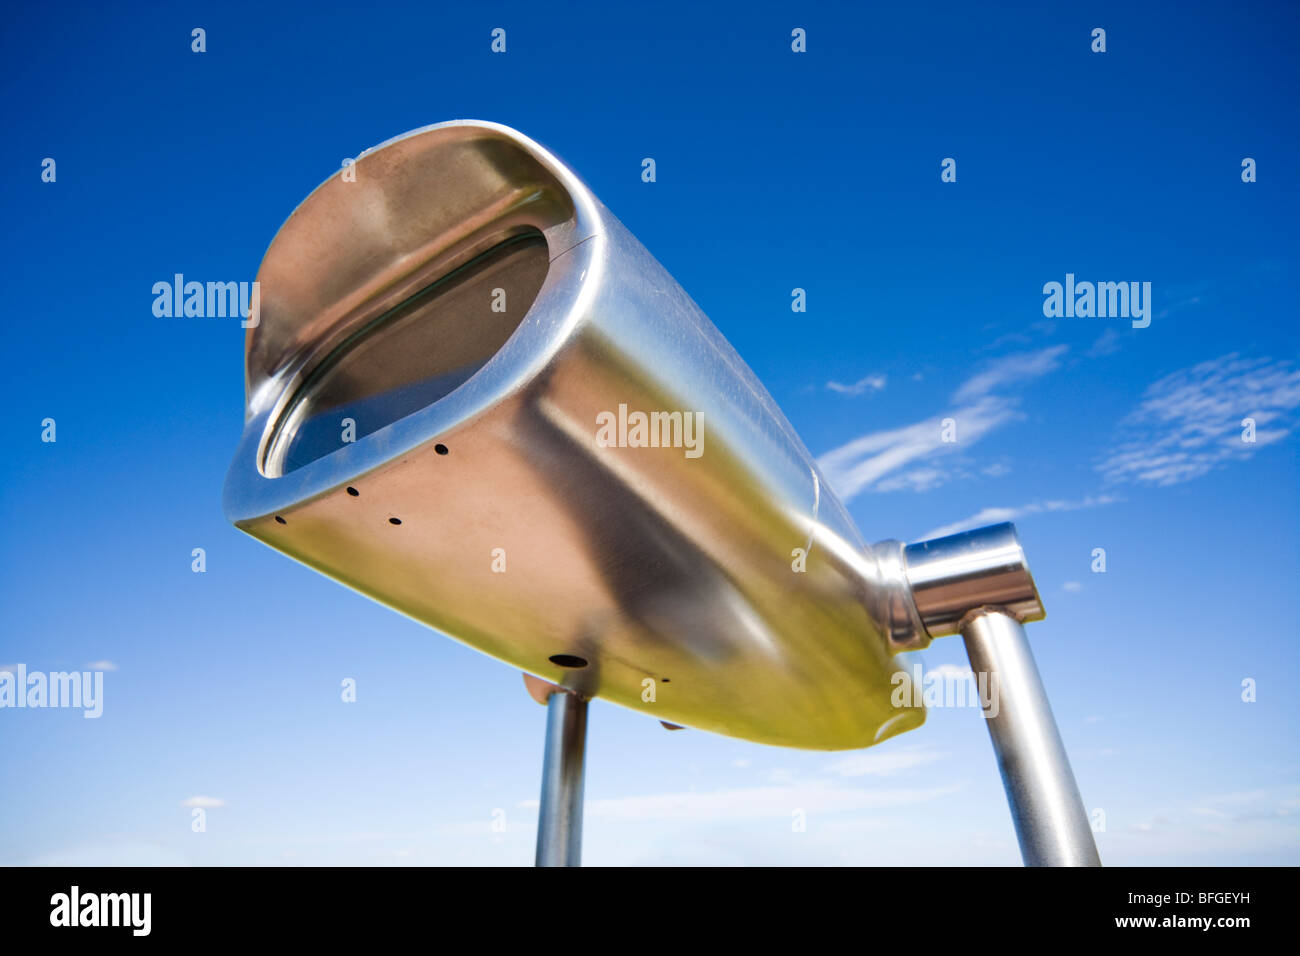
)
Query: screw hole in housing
[
  {"x": 279, "y": 520},
  {"x": 353, "y": 492},
  {"x": 440, "y": 449},
  {"x": 394, "y": 520}
]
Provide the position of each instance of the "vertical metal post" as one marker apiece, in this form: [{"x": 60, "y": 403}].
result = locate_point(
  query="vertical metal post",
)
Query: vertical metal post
[
  {"x": 1049, "y": 817},
  {"x": 559, "y": 819}
]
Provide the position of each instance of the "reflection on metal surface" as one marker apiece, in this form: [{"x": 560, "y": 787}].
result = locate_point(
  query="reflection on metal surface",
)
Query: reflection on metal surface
[
  {"x": 952, "y": 576},
  {"x": 412, "y": 355},
  {"x": 481, "y": 502}
]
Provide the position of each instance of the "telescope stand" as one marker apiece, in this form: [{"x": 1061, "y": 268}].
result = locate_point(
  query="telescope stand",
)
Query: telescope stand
[
  {"x": 559, "y": 818},
  {"x": 1048, "y": 813},
  {"x": 976, "y": 584}
]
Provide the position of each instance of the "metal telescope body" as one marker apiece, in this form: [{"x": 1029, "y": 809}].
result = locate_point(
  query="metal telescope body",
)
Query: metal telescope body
[{"x": 473, "y": 396}]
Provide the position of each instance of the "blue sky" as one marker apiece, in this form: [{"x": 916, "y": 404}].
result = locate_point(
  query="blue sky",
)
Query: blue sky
[{"x": 775, "y": 170}]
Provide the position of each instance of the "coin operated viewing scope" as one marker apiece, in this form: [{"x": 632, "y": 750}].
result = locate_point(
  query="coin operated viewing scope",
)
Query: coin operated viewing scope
[{"x": 528, "y": 390}]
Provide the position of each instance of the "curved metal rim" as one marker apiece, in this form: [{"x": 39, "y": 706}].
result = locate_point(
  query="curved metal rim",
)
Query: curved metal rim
[{"x": 550, "y": 321}]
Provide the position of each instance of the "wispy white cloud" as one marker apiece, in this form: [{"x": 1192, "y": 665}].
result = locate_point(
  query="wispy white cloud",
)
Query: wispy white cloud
[
  {"x": 1262, "y": 821},
  {"x": 872, "y": 383},
  {"x": 862, "y": 463},
  {"x": 883, "y": 764},
  {"x": 997, "y": 515},
  {"x": 1011, "y": 370},
  {"x": 756, "y": 803},
  {"x": 917, "y": 479},
  {"x": 207, "y": 803},
  {"x": 1024, "y": 336},
  {"x": 1190, "y": 422},
  {"x": 1106, "y": 344},
  {"x": 1179, "y": 306},
  {"x": 876, "y": 461},
  {"x": 1264, "y": 803}
]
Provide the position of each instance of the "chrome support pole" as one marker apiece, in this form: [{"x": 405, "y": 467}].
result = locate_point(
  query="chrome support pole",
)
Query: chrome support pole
[
  {"x": 978, "y": 584},
  {"x": 559, "y": 819},
  {"x": 1051, "y": 823}
]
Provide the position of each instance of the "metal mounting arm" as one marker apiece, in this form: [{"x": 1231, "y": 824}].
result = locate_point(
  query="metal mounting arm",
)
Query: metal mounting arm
[{"x": 978, "y": 583}]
